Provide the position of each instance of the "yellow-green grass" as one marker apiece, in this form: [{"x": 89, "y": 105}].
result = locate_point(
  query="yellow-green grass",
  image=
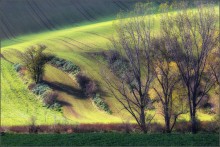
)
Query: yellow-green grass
[
  {"x": 75, "y": 44},
  {"x": 79, "y": 109},
  {"x": 18, "y": 105}
]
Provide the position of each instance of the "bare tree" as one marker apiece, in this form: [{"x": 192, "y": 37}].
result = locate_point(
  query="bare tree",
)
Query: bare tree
[
  {"x": 34, "y": 60},
  {"x": 167, "y": 82},
  {"x": 134, "y": 40},
  {"x": 190, "y": 36}
]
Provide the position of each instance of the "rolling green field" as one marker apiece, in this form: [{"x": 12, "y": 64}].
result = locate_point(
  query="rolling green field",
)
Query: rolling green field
[
  {"x": 76, "y": 44},
  {"x": 110, "y": 139}
]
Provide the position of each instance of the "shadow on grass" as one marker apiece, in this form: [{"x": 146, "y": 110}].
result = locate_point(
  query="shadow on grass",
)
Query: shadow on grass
[
  {"x": 66, "y": 88},
  {"x": 63, "y": 103}
]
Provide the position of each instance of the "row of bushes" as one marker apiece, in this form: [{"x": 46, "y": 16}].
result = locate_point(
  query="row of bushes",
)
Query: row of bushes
[
  {"x": 65, "y": 65},
  {"x": 100, "y": 103},
  {"x": 180, "y": 127},
  {"x": 48, "y": 96},
  {"x": 90, "y": 88},
  {"x": 117, "y": 63}
]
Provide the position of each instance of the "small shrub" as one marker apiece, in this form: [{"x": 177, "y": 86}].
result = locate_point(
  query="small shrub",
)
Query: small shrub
[
  {"x": 120, "y": 68},
  {"x": 18, "y": 67},
  {"x": 155, "y": 128},
  {"x": 82, "y": 80},
  {"x": 31, "y": 86},
  {"x": 70, "y": 67},
  {"x": 112, "y": 56},
  {"x": 49, "y": 98},
  {"x": 56, "y": 106},
  {"x": 33, "y": 128},
  {"x": 57, "y": 62},
  {"x": 183, "y": 126},
  {"x": 101, "y": 104},
  {"x": 127, "y": 127},
  {"x": 117, "y": 63},
  {"x": 210, "y": 127},
  {"x": 88, "y": 86},
  {"x": 40, "y": 89},
  {"x": 91, "y": 88}
]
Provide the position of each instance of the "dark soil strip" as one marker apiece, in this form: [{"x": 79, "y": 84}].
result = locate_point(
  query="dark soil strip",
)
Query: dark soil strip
[
  {"x": 6, "y": 24},
  {"x": 33, "y": 15},
  {"x": 88, "y": 14},
  {"x": 116, "y": 2},
  {"x": 38, "y": 15},
  {"x": 77, "y": 7},
  {"x": 43, "y": 15},
  {"x": 123, "y": 4}
]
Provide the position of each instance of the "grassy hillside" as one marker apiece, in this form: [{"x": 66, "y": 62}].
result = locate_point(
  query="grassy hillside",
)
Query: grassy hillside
[
  {"x": 27, "y": 16},
  {"x": 18, "y": 105},
  {"x": 75, "y": 44}
]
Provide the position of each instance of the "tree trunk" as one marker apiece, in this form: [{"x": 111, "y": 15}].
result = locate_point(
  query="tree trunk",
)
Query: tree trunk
[
  {"x": 167, "y": 120},
  {"x": 37, "y": 79},
  {"x": 192, "y": 106},
  {"x": 194, "y": 121},
  {"x": 142, "y": 121}
]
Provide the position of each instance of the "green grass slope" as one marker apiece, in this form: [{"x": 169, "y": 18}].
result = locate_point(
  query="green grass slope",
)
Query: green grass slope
[
  {"x": 76, "y": 44},
  {"x": 18, "y": 105}
]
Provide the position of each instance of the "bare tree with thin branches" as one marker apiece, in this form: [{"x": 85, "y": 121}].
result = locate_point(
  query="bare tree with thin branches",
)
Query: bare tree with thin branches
[
  {"x": 166, "y": 84},
  {"x": 190, "y": 36},
  {"x": 134, "y": 41}
]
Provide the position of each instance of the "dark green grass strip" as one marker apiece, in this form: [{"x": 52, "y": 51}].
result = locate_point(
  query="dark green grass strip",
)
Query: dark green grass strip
[{"x": 110, "y": 139}]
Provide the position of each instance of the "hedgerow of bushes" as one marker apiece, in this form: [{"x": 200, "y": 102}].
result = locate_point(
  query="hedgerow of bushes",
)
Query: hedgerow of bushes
[
  {"x": 118, "y": 64},
  {"x": 48, "y": 96},
  {"x": 40, "y": 89},
  {"x": 100, "y": 103},
  {"x": 90, "y": 89},
  {"x": 64, "y": 65},
  {"x": 88, "y": 86},
  {"x": 180, "y": 127}
]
